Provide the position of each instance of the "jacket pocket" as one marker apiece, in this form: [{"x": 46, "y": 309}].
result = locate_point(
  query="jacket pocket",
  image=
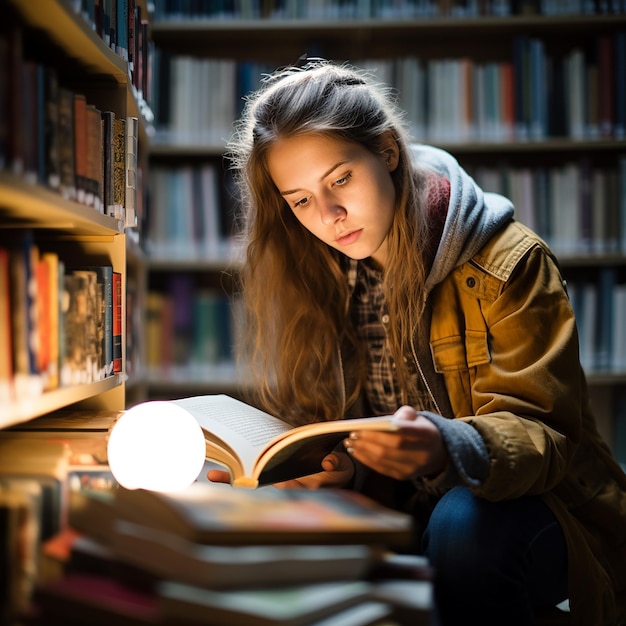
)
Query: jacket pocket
[{"x": 457, "y": 353}]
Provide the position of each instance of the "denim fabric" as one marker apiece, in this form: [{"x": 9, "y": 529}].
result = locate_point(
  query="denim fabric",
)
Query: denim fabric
[{"x": 494, "y": 562}]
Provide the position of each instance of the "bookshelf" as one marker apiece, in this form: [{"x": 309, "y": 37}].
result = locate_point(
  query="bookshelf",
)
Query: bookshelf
[
  {"x": 565, "y": 133},
  {"x": 52, "y": 39}
]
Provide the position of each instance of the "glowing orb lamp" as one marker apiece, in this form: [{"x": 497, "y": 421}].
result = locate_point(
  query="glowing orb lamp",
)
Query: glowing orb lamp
[{"x": 157, "y": 446}]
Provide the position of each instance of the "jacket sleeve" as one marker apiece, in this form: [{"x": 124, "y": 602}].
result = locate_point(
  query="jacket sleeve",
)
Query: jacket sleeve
[{"x": 509, "y": 357}]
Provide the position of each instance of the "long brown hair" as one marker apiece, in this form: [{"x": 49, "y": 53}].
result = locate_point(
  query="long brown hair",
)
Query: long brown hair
[{"x": 295, "y": 287}]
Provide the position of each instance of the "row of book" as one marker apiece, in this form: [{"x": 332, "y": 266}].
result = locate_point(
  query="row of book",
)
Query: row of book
[
  {"x": 532, "y": 96},
  {"x": 190, "y": 327},
  {"x": 54, "y": 136},
  {"x": 123, "y": 26},
  {"x": 378, "y": 9},
  {"x": 579, "y": 208},
  {"x": 60, "y": 322},
  {"x": 189, "y": 214},
  {"x": 598, "y": 298}
]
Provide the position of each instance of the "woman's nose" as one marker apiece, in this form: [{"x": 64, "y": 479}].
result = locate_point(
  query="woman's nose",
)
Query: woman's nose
[{"x": 331, "y": 211}]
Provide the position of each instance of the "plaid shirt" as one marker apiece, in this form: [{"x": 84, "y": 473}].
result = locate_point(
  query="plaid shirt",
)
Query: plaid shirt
[{"x": 369, "y": 311}]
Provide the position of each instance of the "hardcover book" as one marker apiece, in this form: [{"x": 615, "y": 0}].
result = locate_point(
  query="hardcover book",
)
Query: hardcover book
[
  {"x": 287, "y": 606},
  {"x": 216, "y": 514},
  {"x": 260, "y": 449}
]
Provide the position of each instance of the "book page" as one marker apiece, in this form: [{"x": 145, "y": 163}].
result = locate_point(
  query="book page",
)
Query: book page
[{"x": 243, "y": 427}]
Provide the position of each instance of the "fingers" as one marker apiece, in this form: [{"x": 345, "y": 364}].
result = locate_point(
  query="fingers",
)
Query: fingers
[
  {"x": 218, "y": 476},
  {"x": 406, "y": 413},
  {"x": 416, "y": 449}
]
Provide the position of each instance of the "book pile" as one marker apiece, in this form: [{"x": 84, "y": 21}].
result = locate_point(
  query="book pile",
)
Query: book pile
[{"x": 211, "y": 554}]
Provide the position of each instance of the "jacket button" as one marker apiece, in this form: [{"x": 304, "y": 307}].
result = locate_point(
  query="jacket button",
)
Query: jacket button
[{"x": 471, "y": 282}]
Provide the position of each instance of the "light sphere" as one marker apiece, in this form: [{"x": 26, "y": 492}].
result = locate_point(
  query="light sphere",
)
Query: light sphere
[{"x": 156, "y": 445}]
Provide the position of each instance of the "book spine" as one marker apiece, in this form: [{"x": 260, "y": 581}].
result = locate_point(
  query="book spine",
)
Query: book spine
[
  {"x": 108, "y": 141},
  {"x": 6, "y": 334},
  {"x": 117, "y": 323},
  {"x": 51, "y": 129},
  {"x": 132, "y": 131},
  {"x": 80, "y": 147},
  {"x": 119, "y": 167},
  {"x": 52, "y": 306},
  {"x": 94, "y": 157},
  {"x": 67, "y": 172}
]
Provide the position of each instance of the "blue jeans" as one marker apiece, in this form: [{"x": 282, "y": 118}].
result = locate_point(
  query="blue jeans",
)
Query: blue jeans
[{"x": 494, "y": 562}]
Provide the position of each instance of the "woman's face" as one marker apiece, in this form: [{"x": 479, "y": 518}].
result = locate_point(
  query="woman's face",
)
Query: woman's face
[{"x": 339, "y": 191}]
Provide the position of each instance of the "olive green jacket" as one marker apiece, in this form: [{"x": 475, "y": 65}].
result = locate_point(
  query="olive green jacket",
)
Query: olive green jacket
[{"x": 503, "y": 336}]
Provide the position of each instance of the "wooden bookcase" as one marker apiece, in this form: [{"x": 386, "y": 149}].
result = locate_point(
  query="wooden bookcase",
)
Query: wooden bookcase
[
  {"x": 260, "y": 45},
  {"x": 54, "y": 35}
]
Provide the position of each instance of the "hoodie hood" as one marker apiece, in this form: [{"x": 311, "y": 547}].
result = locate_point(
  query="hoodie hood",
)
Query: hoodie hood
[{"x": 473, "y": 215}]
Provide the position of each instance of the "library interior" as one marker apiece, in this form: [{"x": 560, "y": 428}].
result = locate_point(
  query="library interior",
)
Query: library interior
[{"x": 130, "y": 278}]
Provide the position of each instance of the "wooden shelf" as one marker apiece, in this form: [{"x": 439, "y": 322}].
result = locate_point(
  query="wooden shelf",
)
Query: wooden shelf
[
  {"x": 25, "y": 205},
  {"x": 372, "y": 38},
  {"x": 29, "y": 406},
  {"x": 72, "y": 34}
]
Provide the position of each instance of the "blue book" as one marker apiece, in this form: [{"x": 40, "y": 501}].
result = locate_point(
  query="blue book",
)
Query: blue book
[
  {"x": 619, "y": 123},
  {"x": 607, "y": 278}
]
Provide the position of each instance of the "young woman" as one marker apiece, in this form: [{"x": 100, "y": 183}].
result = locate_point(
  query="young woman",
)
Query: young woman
[{"x": 380, "y": 279}]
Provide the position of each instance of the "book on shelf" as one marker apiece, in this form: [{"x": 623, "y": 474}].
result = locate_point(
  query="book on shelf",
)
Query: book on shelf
[
  {"x": 50, "y": 308},
  {"x": 19, "y": 546},
  {"x": 23, "y": 259},
  {"x": 118, "y": 295},
  {"x": 80, "y": 147},
  {"x": 260, "y": 449},
  {"x": 101, "y": 278},
  {"x": 51, "y": 128},
  {"x": 108, "y": 143},
  {"x": 6, "y": 334},
  {"x": 119, "y": 167},
  {"x": 216, "y": 514},
  {"x": 24, "y": 461},
  {"x": 130, "y": 201},
  {"x": 95, "y": 153},
  {"x": 67, "y": 175}
]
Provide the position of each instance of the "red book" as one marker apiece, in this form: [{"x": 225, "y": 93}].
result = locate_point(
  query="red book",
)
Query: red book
[
  {"x": 117, "y": 322},
  {"x": 43, "y": 316},
  {"x": 96, "y": 600}
]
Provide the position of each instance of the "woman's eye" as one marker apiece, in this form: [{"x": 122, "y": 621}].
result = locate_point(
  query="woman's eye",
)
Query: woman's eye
[
  {"x": 301, "y": 202},
  {"x": 344, "y": 180}
]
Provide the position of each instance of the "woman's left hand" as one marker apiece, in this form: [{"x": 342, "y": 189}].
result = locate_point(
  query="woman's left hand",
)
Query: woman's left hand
[{"x": 416, "y": 449}]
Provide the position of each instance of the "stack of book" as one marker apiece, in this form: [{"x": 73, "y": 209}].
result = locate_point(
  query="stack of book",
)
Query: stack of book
[
  {"x": 214, "y": 554},
  {"x": 247, "y": 553}
]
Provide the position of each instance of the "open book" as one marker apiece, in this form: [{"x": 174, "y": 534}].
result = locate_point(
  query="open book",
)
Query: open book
[{"x": 259, "y": 449}]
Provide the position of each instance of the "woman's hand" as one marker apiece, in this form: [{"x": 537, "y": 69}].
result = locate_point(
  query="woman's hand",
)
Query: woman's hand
[
  {"x": 338, "y": 470},
  {"x": 417, "y": 449},
  {"x": 218, "y": 476}
]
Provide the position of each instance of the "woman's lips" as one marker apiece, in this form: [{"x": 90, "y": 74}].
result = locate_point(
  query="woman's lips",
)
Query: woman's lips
[{"x": 349, "y": 238}]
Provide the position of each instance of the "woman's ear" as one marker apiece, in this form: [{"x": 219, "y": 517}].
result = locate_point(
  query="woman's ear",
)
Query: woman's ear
[{"x": 390, "y": 151}]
